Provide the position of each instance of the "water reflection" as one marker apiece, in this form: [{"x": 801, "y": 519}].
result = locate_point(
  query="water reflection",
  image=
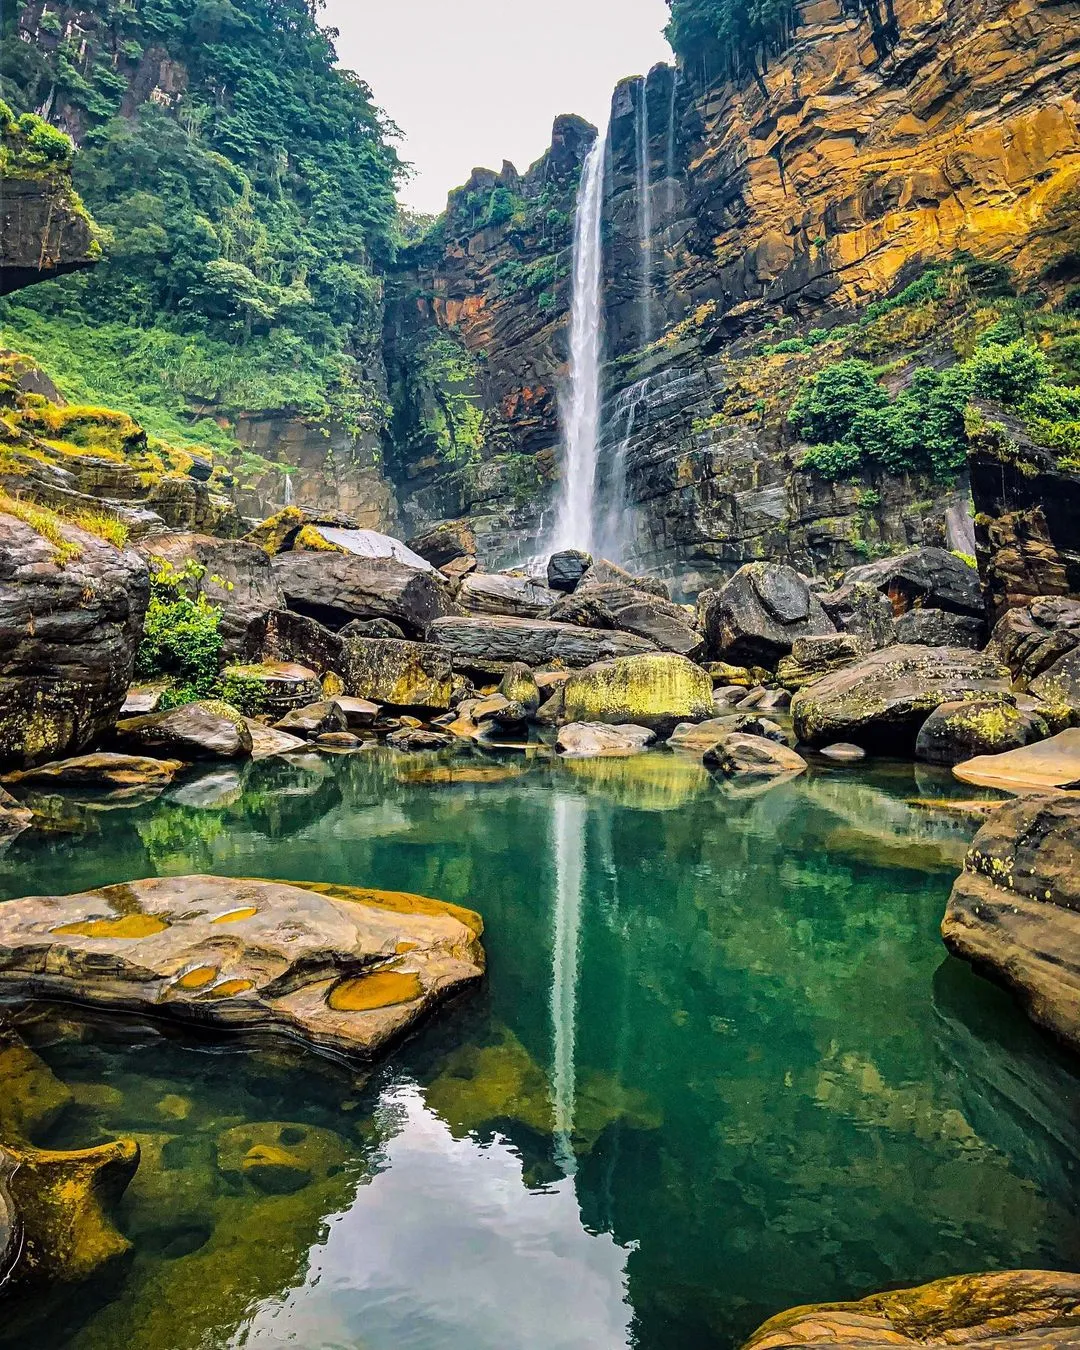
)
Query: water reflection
[{"x": 568, "y": 837}]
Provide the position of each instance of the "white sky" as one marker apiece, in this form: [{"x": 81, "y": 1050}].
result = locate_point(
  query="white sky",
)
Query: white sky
[{"x": 474, "y": 82}]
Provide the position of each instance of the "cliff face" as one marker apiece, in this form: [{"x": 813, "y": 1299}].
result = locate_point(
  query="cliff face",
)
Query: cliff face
[
  {"x": 885, "y": 139},
  {"x": 44, "y": 232}
]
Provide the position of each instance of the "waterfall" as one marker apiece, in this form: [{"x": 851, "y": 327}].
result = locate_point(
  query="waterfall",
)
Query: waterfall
[
  {"x": 574, "y": 521},
  {"x": 286, "y": 492},
  {"x": 644, "y": 211},
  {"x": 569, "y": 842},
  {"x": 669, "y": 158}
]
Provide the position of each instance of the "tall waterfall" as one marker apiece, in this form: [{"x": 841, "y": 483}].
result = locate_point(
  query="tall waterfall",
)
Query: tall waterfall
[
  {"x": 644, "y": 199},
  {"x": 669, "y": 156},
  {"x": 574, "y": 523},
  {"x": 569, "y": 846}
]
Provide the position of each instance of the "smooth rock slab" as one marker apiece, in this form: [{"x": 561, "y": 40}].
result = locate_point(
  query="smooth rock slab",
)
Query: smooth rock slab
[
  {"x": 1014, "y": 911},
  {"x": 104, "y": 770},
  {"x": 480, "y": 644},
  {"x": 344, "y": 969},
  {"x": 587, "y": 740},
  {"x": 1053, "y": 763}
]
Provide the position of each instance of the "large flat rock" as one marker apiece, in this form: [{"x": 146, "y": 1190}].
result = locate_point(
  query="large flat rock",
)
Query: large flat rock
[
  {"x": 345, "y": 969},
  {"x": 1053, "y": 763},
  {"x": 537, "y": 642},
  {"x": 336, "y": 587},
  {"x": 1014, "y": 911}
]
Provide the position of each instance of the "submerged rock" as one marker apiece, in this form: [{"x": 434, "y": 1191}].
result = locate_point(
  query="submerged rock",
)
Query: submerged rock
[
  {"x": 1031, "y": 1309},
  {"x": 1053, "y": 763},
  {"x": 757, "y": 616},
  {"x": 203, "y": 730},
  {"x": 658, "y": 691},
  {"x": 979, "y": 726},
  {"x": 344, "y": 969},
  {"x": 1014, "y": 911},
  {"x": 881, "y": 702},
  {"x": 584, "y": 740}
]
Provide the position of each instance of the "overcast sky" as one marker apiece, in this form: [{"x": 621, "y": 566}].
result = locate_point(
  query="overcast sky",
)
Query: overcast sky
[{"x": 474, "y": 82}]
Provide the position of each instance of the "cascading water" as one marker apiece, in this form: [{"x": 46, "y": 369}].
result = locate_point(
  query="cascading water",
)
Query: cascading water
[
  {"x": 644, "y": 199},
  {"x": 286, "y": 492},
  {"x": 574, "y": 524},
  {"x": 669, "y": 157}
]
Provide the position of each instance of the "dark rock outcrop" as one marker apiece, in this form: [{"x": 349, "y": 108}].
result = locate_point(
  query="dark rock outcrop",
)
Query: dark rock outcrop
[
  {"x": 565, "y": 569},
  {"x": 759, "y": 614},
  {"x": 1015, "y": 909},
  {"x": 336, "y": 587},
  {"x": 44, "y": 230},
  {"x": 71, "y": 615},
  {"x": 488, "y": 645},
  {"x": 926, "y": 578}
]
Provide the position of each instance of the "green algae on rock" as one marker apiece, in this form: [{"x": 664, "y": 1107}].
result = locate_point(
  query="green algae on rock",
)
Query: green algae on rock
[
  {"x": 655, "y": 690},
  {"x": 293, "y": 960}
]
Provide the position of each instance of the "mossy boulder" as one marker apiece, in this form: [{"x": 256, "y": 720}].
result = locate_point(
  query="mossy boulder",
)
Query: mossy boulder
[
  {"x": 655, "y": 690},
  {"x": 398, "y": 673},
  {"x": 207, "y": 729},
  {"x": 519, "y": 686},
  {"x": 979, "y": 726}
]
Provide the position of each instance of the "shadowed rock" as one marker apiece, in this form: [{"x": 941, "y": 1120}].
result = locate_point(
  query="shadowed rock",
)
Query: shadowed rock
[{"x": 758, "y": 615}]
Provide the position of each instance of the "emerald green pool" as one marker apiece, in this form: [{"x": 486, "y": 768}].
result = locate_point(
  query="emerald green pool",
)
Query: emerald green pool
[{"x": 721, "y": 1065}]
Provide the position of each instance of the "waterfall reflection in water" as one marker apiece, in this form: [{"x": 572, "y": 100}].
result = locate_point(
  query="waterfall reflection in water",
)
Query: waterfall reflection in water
[{"x": 569, "y": 845}]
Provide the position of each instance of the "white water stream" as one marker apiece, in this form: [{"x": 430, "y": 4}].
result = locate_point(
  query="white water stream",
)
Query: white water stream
[{"x": 644, "y": 199}]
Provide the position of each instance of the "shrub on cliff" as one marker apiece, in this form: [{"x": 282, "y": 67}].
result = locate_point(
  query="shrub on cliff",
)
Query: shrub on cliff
[
  {"x": 1007, "y": 372},
  {"x": 181, "y": 641},
  {"x": 828, "y": 405}
]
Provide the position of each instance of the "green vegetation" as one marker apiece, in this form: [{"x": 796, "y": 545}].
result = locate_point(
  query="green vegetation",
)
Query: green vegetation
[
  {"x": 726, "y": 37},
  {"x": 29, "y": 144},
  {"x": 247, "y": 215},
  {"x": 437, "y": 404},
  {"x": 181, "y": 641}
]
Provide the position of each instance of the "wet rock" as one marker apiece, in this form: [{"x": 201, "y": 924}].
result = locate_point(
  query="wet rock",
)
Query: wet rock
[
  {"x": 1020, "y": 1308},
  {"x": 338, "y": 740},
  {"x": 398, "y": 674},
  {"x": 359, "y": 712},
  {"x": 757, "y": 616},
  {"x": 68, "y": 635},
  {"x": 932, "y": 578},
  {"x": 313, "y": 720},
  {"x": 565, "y": 569},
  {"x": 881, "y": 702},
  {"x": 483, "y": 645},
  {"x": 419, "y": 738},
  {"x": 657, "y": 690},
  {"x": 106, "y": 770},
  {"x": 336, "y": 587},
  {"x": 980, "y": 726},
  {"x": 939, "y": 628},
  {"x": 502, "y": 593},
  {"x": 204, "y": 730},
  {"x": 584, "y": 740},
  {"x": 267, "y": 741},
  {"x": 341, "y": 968},
  {"x": 843, "y": 752},
  {"x": 1053, "y": 763},
  {"x": 741, "y": 755},
  {"x": 519, "y": 686},
  {"x": 370, "y": 628},
  {"x": 445, "y": 543},
  {"x": 1015, "y": 909},
  {"x": 236, "y": 576}
]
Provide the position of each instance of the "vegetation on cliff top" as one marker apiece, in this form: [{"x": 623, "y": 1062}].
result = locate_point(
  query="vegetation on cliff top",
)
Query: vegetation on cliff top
[{"x": 249, "y": 204}]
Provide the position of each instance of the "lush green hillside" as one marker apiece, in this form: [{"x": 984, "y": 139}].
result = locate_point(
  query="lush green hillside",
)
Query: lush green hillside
[{"x": 246, "y": 188}]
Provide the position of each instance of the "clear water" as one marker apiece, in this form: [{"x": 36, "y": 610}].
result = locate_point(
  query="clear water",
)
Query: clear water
[{"x": 721, "y": 1065}]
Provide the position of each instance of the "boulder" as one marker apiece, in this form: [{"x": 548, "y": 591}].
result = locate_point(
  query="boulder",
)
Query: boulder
[
  {"x": 370, "y": 628},
  {"x": 203, "y": 730},
  {"x": 268, "y": 741},
  {"x": 419, "y": 738},
  {"x": 338, "y": 740},
  {"x": 843, "y": 752},
  {"x": 503, "y": 593},
  {"x": 359, "y": 712},
  {"x": 445, "y": 543},
  {"x": 657, "y": 690},
  {"x": 932, "y": 578},
  {"x": 336, "y": 587},
  {"x": 143, "y": 698},
  {"x": 71, "y": 616},
  {"x": 1025, "y": 1309},
  {"x": 398, "y": 674},
  {"x": 940, "y": 628},
  {"x": 344, "y": 969},
  {"x": 698, "y": 737},
  {"x": 489, "y": 645},
  {"x": 753, "y": 757},
  {"x": 812, "y": 657},
  {"x": 1034, "y": 638},
  {"x": 760, "y": 726},
  {"x": 1015, "y": 909},
  {"x": 588, "y": 740},
  {"x": 104, "y": 770},
  {"x": 757, "y": 616},
  {"x": 566, "y": 568},
  {"x": 881, "y": 702},
  {"x": 862, "y": 611},
  {"x": 519, "y": 686},
  {"x": 1053, "y": 763},
  {"x": 271, "y": 687},
  {"x": 979, "y": 726},
  {"x": 235, "y": 576},
  {"x": 602, "y": 572},
  {"x": 313, "y": 720},
  {"x": 615, "y": 605},
  {"x": 295, "y": 639}
]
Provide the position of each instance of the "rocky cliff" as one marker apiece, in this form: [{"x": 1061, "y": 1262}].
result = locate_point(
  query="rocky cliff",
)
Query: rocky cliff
[{"x": 878, "y": 144}]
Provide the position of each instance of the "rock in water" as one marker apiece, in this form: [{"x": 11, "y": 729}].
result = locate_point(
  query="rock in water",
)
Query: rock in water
[
  {"x": 204, "y": 730},
  {"x": 1015, "y": 909},
  {"x": 881, "y": 702},
  {"x": 997, "y": 1311},
  {"x": 587, "y": 740},
  {"x": 1053, "y": 763},
  {"x": 103, "y": 770},
  {"x": 316, "y": 718},
  {"x": 342, "y": 968},
  {"x": 336, "y": 587},
  {"x": 565, "y": 569},
  {"x": 978, "y": 726},
  {"x": 68, "y": 635},
  {"x": 657, "y": 690},
  {"x": 757, "y": 616},
  {"x": 753, "y": 757}
]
